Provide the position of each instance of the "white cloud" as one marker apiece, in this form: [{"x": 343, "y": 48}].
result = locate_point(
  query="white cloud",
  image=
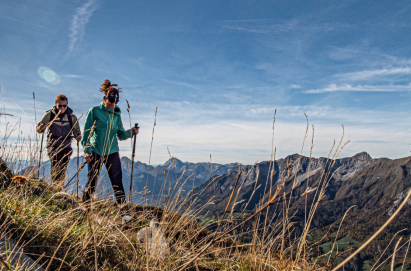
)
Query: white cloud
[
  {"x": 78, "y": 24},
  {"x": 269, "y": 26},
  {"x": 248, "y": 141},
  {"x": 193, "y": 131},
  {"x": 21, "y": 109},
  {"x": 295, "y": 86},
  {"x": 261, "y": 26},
  {"x": 364, "y": 88},
  {"x": 361, "y": 75},
  {"x": 71, "y": 76}
]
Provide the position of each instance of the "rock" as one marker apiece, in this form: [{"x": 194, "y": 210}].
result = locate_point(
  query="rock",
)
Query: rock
[
  {"x": 5, "y": 174},
  {"x": 153, "y": 239},
  {"x": 14, "y": 256},
  {"x": 126, "y": 219},
  {"x": 397, "y": 202}
]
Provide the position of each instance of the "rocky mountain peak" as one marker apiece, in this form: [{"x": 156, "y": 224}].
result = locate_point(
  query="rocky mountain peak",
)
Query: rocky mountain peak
[
  {"x": 362, "y": 156},
  {"x": 175, "y": 162}
]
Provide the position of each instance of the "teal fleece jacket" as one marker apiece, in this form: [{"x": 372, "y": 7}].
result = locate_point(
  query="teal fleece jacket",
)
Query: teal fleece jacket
[{"x": 108, "y": 129}]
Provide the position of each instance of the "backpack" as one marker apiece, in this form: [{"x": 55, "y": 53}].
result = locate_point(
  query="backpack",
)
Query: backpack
[{"x": 70, "y": 120}]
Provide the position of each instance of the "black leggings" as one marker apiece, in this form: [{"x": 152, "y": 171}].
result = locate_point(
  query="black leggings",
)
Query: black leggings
[
  {"x": 59, "y": 159},
  {"x": 113, "y": 166}
]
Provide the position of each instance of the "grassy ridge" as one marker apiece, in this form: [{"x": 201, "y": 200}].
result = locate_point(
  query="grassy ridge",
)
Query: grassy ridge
[
  {"x": 62, "y": 237},
  {"x": 42, "y": 219}
]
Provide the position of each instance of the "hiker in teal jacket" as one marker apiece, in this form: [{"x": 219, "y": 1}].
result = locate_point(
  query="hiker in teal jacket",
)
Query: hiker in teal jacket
[{"x": 102, "y": 128}]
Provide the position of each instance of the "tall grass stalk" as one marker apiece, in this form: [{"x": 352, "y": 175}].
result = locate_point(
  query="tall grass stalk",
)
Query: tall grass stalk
[{"x": 94, "y": 236}]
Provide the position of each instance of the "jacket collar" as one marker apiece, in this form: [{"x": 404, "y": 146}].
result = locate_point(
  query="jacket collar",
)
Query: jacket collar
[{"x": 117, "y": 110}]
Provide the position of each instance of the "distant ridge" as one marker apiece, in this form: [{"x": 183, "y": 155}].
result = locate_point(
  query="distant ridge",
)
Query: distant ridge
[
  {"x": 159, "y": 181},
  {"x": 375, "y": 187}
]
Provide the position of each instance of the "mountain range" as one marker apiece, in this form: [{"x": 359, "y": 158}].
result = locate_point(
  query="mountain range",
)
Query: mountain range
[
  {"x": 170, "y": 178},
  {"x": 374, "y": 188}
]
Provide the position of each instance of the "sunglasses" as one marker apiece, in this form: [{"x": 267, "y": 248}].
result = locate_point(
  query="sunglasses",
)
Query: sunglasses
[
  {"x": 112, "y": 98},
  {"x": 62, "y": 105}
]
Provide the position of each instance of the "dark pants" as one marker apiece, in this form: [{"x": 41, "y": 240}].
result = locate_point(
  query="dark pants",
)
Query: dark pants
[
  {"x": 113, "y": 166},
  {"x": 59, "y": 159}
]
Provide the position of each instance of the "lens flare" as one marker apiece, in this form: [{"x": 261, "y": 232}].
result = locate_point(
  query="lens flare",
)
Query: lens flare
[{"x": 49, "y": 75}]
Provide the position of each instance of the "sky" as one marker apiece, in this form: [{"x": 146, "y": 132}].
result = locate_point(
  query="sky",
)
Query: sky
[{"x": 217, "y": 70}]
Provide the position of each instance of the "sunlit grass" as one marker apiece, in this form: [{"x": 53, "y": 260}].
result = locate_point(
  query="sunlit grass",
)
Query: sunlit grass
[{"x": 41, "y": 218}]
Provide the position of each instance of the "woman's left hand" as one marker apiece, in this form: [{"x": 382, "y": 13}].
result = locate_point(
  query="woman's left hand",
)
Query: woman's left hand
[{"x": 135, "y": 131}]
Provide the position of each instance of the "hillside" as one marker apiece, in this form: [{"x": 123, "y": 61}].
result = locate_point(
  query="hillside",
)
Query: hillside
[{"x": 374, "y": 186}]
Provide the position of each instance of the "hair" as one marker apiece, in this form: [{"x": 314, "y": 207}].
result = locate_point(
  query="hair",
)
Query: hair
[
  {"x": 61, "y": 97},
  {"x": 107, "y": 87}
]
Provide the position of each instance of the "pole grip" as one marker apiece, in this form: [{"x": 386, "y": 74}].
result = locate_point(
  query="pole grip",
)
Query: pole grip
[{"x": 136, "y": 127}]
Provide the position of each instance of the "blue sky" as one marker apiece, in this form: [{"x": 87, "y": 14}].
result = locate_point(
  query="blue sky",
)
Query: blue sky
[{"x": 217, "y": 70}]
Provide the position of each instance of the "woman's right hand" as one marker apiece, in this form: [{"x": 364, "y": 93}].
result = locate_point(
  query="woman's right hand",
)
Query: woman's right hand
[{"x": 88, "y": 157}]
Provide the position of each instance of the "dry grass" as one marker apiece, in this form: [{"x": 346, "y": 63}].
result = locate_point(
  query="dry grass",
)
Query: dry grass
[{"x": 63, "y": 236}]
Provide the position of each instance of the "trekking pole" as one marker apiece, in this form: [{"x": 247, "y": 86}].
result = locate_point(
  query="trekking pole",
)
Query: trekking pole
[
  {"x": 130, "y": 198},
  {"x": 35, "y": 113},
  {"x": 85, "y": 163},
  {"x": 79, "y": 170},
  {"x": 35, "y": 120},
  {"x": 129, "y": 118},
  {"x": 42, "y": 137},
  {"x": 41, "y": 150},
  {"x": 78, "y": 162}
]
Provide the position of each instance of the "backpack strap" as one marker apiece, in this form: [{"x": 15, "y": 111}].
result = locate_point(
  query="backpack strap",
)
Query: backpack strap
[
  {"x": 70, "y": 119},
  {"x": 52, "y": 115}
]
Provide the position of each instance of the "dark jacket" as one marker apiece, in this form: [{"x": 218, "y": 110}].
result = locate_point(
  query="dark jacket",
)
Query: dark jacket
[{"x": 60, "y": 132}]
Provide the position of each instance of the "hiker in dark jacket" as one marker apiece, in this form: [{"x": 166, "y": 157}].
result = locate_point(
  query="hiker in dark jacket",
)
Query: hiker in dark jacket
[
  {"x": 102, "y": 128},
  {"x": 62, "y": 127}
]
